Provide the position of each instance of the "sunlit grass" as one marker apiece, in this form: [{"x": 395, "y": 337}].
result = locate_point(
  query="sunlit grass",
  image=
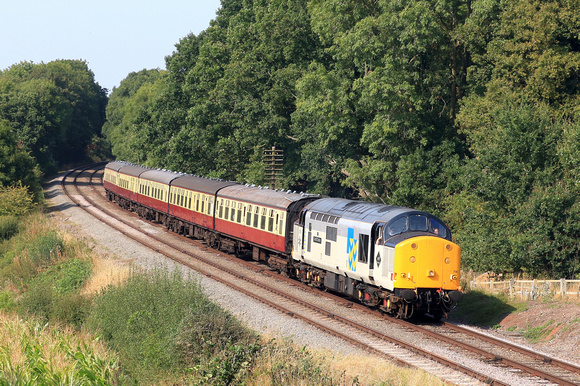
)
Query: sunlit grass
[{"x": 32, "y": 353}]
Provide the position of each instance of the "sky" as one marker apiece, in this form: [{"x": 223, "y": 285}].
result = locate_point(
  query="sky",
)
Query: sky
[{"x": 115, "y": 37}]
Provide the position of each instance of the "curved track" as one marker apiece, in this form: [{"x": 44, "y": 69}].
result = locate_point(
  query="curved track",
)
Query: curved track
[{"x": 88, "y": 194}]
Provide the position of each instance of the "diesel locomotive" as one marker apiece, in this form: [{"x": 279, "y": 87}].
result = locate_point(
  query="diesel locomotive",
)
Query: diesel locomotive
[{"x": 399, "y": 260}]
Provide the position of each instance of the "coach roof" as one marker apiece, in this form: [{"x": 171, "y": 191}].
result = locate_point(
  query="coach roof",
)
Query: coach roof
[
  {"x": 201, "y": 184},
  {"x": 263, "y": 196}
]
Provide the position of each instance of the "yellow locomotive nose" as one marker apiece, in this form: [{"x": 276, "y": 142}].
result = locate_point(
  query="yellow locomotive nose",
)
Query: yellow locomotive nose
[{"x": 427, "y": 262}]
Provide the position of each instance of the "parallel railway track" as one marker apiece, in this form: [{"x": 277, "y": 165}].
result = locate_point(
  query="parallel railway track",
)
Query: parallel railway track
[{"x": 489, "y": 350}]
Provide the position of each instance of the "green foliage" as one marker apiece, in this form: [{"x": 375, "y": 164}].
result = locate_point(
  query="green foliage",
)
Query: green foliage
[
  {"x": 53, "y": 357},
  {"x": 152, "y": 321},
  {"x": 17, "y": 167},
  {"x": 55, "y": 109},
  {"x": 46, "y": 271},
  {"x": 538, "y": 333},
  {"x": 8, "y": 226},
  {"x": 7, "y": 301},
  {"x": 15, "y": 201}
]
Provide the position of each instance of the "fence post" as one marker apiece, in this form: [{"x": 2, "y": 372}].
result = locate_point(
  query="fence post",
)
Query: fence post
[{"x": 563, "y": 288}]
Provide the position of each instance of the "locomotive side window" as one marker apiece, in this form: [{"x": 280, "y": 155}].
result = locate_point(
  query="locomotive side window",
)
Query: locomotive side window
[{"x": 363, "y": 254}]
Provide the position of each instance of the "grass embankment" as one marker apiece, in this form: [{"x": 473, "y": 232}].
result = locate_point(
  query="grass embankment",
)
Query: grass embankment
[{"x": 67, "y": 316}]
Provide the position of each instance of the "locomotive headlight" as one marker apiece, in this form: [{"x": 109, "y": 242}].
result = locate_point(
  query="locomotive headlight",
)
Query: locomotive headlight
[
  {"x": 414, "y": 246},
  {"x": 448, "y": 247},
  {"x": 453, "y": 277},
  {"x": 430, "y": 273},
  {"x": 447, "y": 260},
  {"x": 403, "y": 275},
  {"x": 412, "y": 259}
]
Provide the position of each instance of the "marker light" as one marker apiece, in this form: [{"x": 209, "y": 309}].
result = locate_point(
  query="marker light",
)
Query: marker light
[
  {"x": 431, "y": 273},
  {"x": 412, "y": 259},
  {"x": 447, "y": 260}
]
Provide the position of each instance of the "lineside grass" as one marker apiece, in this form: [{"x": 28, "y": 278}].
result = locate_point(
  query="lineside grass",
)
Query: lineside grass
[{"x": 35, "y": 354}]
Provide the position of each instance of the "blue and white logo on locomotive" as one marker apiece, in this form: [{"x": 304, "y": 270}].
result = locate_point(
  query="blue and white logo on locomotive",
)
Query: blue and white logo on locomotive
[{"x": 352, "y": 250}]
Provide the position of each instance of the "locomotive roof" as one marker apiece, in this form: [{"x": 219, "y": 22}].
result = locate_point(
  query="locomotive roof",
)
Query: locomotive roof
[
  {"x": 257, "y": 195},
  {"x": 358, "y": 210},
  {"x": 201, "y": 184}
]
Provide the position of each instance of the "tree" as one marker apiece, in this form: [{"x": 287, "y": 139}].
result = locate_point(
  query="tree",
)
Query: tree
[
  {"x": 17, "y": 167},
  {"x": 55, "y": 109}
]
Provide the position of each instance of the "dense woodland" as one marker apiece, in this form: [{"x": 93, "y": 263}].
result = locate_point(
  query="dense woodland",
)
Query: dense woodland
[{"x": 467, "y": 109}]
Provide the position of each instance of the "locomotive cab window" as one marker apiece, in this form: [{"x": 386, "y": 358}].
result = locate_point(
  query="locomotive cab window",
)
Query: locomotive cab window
[
  {"x": 437, "y": 228},
  {"x": 418, "y": 222},
  {"x": 397, "y": 226}
]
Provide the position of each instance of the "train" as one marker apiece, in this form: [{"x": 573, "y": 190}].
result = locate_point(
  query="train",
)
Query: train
[{"x": 399, "y": 260}]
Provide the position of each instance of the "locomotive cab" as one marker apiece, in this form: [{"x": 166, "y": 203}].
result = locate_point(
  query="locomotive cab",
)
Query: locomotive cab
[{"x": 423, "y": 267}]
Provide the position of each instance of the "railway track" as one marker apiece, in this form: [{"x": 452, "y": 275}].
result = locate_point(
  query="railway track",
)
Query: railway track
[{"x": 447, "y": 338}]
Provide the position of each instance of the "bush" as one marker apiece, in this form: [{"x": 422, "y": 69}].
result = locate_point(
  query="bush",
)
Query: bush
[
  {"x": 15, "y": 201},
  {"x": 8, "y": 227},
  {"x": 142, "y": 319}
]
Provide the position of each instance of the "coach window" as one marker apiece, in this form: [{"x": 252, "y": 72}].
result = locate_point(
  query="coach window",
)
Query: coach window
[
  {"x": 282, "y": 223},
  {"x": 263, "y": 219},
  {"x": 256, "y": 216},
  {"x": 271, "y": 221},
  {"x": 221, "y": 208},
  {"x": 240, "y": 212},
  {"x": 233, "y": 205},
  {"x": 248, "y": 215}
]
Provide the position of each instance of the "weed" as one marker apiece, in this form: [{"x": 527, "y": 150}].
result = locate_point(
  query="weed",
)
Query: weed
[{"x": 536, "y": 334}]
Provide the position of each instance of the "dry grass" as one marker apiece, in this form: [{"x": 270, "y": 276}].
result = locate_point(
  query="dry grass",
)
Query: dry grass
[
  {"x": 375, "y": 371},
  {"x": 31, "y": 352},
  {"x": 289, "y": 364},
  {"x": 106, "y": 271}
]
